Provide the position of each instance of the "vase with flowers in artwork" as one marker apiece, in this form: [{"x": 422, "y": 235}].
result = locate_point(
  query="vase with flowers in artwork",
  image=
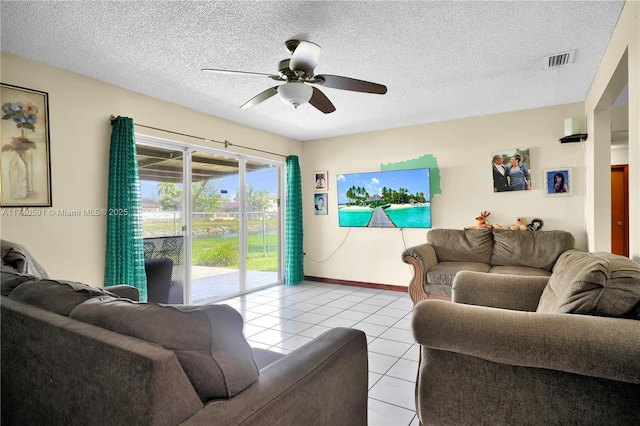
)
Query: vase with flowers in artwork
[{"x": 21, "y": 165}]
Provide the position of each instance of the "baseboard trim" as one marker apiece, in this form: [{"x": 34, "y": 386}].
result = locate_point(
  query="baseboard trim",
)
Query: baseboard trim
[{"x": 400, "y": 288}]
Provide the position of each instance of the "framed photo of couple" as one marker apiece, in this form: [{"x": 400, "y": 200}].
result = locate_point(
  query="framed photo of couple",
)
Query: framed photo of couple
[
  {"x": 558, "y": 182},
  {"x": 511, "y": 170}
]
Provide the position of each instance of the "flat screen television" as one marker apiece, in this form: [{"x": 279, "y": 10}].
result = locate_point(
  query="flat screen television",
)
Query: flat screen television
[{"x": 388, "y": 199}]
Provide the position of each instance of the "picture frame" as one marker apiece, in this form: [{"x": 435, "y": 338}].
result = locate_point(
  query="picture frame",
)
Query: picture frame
[
  {"x": 321, "y": 183},
  {"x": 25, "y": 160},
  {"x": 320, "y": 201},
  {"x": 502, "y": 162},
  {"x": 558, "y": 182}
]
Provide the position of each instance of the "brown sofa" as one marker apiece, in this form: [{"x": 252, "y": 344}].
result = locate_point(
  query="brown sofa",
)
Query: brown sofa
[
  {"x": 78, "y": 355},
  {"x": 494, "y": 251},
  {"x": 517, "y": 350}
]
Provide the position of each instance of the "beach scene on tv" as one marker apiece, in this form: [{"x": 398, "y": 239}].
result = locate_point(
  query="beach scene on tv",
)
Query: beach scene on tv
[{"x": 389, "y": 199}]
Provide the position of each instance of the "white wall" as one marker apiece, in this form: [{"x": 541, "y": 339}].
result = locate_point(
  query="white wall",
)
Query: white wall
[
  {"x": 73, "y": 247},
  {"x": 463, "y": 150},
  {"x": 620, "y": 128},
  {"x": 619, "y": 155},
  {"x": 620, "y": 65}
]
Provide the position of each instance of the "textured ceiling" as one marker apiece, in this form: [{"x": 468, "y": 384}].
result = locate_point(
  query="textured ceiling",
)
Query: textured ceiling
[{"x": 440, "y": 60}]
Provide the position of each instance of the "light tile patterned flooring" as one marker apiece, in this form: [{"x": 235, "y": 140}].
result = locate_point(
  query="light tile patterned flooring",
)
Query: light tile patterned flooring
[
  {"x": 282, "y": 318},
  {"x": 209, "y": 284}
]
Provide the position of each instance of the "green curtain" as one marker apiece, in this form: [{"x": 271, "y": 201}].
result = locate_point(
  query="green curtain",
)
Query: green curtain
[
  {"x": 125, "y": 253},
  {"x": 294, "y": 260}
]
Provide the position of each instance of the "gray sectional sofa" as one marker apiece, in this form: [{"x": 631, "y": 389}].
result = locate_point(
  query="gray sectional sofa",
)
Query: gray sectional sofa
[
  {"x": 494, "y": 251},
  {"x": 78, "y": 355},
  {"x": 525, "y": 350}
]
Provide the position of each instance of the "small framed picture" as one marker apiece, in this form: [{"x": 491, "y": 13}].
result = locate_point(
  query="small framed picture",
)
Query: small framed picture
[
  {"x": 320, "y": 204},
  {"x": 559, "y": 182},
  {"x": 321, "y": 181}
]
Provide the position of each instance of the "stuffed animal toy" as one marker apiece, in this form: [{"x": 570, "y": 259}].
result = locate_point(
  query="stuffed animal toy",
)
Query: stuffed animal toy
[
  {"x": 482, "y": 222},
  {"x": 535, "y": 225},
  {"x": 520, "y": 225}
]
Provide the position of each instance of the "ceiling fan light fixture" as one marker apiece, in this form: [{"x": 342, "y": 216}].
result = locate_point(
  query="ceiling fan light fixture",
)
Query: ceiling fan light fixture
[
  {"x": 297, "y": 74},
  {"x": 295, "y": 93}
]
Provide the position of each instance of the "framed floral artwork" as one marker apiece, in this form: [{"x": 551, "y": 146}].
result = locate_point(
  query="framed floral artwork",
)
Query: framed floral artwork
[{"x": 25, "y": 162}]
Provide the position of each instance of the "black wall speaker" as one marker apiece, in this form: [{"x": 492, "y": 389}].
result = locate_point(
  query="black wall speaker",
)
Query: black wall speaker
[{"x": 574, "y": 138}]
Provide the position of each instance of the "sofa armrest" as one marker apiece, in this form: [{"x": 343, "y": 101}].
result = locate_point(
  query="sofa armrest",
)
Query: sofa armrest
[
  {"x": 515, "y": 292},
  {"x": 323, "y": 382},
  {"x": 422, "y": 258},
  {"x": 124, "y": 290},
  {"x": 580, "y": 344},
  {"x": 60, "y": 371}
]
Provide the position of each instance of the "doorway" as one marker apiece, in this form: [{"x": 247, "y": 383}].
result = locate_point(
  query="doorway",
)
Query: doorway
[
  {"x": 620, "y": 210},
  {"x": 228, "y": 225}
]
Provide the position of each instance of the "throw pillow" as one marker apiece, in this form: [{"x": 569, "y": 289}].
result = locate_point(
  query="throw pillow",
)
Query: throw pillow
[
  {"x": 207, "y": 340},
  {"x": 456, "y": 245},
  {"x": 10, "y": 279},
  {"x": 17, "y": 257},
  {"x": 593, "y": 284},
  {"x": 532, "y": 249},
  {"x": 60, "y": 297}
]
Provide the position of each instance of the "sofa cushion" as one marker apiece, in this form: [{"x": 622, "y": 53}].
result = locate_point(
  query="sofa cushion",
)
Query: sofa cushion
[
  {"x": 444, "y": 272},
  {"x": 519, "y": 270},
  {"x": 10, "y": 279},
  {"x": 207, "y": 340},
  {"x": 17, "y": 257},
  {"x": 593, "y": 284},
  {"x": 60, "y": 297},
  {"x": 526, "y": 248},
  {"x": 457, "y": 245}
]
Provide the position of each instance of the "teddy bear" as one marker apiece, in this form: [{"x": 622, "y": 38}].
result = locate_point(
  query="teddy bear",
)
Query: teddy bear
[
  {"x": 520, "y": 225},
  {"x": 536, "y": 225},
  {"x": 482, "y": 222}
]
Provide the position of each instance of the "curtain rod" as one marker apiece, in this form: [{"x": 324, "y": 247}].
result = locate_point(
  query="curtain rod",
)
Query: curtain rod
[{"x": 226, "y": 143}]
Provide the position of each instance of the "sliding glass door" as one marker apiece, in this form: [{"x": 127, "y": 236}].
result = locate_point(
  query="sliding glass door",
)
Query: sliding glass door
[
  {"x": 263, "y": 213},
  {"x": 161, "y": 188},
  {"x": 215, "y": 227},
  {"x": 228, "y": 225}
]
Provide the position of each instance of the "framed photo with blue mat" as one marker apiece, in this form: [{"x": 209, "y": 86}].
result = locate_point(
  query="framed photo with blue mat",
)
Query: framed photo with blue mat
[{"x": 559, "y": 182}]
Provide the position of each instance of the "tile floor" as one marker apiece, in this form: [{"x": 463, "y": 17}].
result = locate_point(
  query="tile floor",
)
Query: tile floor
[{"x": 282, "y": 318}]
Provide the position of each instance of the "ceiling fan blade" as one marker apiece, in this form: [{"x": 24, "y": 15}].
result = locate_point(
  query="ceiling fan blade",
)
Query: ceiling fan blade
[
  {"x": 305, "y": 57},
  {"x": 242, "y": 73},
  {"x": 320, "y": 101},
  {"x": 346, "y": 83},
  {"x": 261, "y": 97}
]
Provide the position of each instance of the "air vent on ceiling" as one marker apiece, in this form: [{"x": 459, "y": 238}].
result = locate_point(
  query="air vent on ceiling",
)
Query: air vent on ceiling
[{"x": 555, "y": 61}]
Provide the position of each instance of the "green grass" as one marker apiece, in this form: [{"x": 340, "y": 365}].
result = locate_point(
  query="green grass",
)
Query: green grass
[
  {"x": 218, "y": 251},
  {"x": 267, "y": 264},
  {"x": 225, "y": 252}
]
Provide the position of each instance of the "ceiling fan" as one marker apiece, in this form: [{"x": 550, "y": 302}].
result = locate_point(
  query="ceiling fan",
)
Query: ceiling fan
[{"x": 297, "y": 72}]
